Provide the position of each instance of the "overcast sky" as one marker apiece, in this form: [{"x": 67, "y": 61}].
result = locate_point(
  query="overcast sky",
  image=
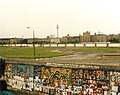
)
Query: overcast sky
[{"x": 73, "y": 17}]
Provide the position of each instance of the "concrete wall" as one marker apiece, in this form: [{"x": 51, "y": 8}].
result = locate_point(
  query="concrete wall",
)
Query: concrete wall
[
  {"x": 52, "y": 80},
  {"x": 69, "y": 45}
]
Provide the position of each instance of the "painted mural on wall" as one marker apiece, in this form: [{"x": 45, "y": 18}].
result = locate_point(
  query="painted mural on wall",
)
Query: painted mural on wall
[
  {"x": 8, "y": 72},
  {"x": 21, "y": 76},
  {"x": 60, "y": 76},
  {"x": 63, "y": 81},
  {"x": 90, "y": 81},
  {"x": 37, "y": 78},
  {"x": 114, "y": 82},
  {"x": 115, "y": 77},
  {"x": 45, "y": 75},
  {"x": 41, "y": 77}
]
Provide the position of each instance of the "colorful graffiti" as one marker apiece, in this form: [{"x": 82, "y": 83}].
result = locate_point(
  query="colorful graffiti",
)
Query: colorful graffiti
[
  {"x": 62, "y": 81},
  {"x": 114, "y": 78},
  {"x": 60, "y": 76},
  {"x": 25, "y": 71},
  {"x": 37, "y": 78},
  {"x": 21, "y": 76},
  {"x": 8, "y": 71}
]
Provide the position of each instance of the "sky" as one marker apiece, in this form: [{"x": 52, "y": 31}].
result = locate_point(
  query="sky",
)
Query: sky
[{"x": 73, "y": 17}]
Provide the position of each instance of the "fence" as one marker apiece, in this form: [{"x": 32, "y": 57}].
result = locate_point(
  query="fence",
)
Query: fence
[{"x": 68, "y": 45}]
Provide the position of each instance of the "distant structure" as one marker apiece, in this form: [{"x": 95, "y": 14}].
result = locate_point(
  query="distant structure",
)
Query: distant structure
[
  {"x": 85, "y": 38},
  {"x": 57, "y": 31}
]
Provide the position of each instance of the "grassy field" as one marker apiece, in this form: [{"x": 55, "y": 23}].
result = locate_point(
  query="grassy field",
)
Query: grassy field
[
  {"x": 98, "y": 50},
  {"x": 27, "y": 52}
]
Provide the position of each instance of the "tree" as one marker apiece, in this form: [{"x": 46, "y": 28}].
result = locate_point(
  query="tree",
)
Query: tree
[
  {"x": 115, "y": 40},
  {"x": 24, "y": 41}
]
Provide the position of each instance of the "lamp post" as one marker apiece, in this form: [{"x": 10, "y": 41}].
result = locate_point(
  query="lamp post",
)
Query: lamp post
[
  {"x": 33, "y": 41},
  {"x": 33, "y": 50}
]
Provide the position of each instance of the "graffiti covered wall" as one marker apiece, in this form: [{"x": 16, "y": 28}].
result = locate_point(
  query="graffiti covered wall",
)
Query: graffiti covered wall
[
  {"x": 20, "y": 76},
  {"x": 63, "y": 81}
]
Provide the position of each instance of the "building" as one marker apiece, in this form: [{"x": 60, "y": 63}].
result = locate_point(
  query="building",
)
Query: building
[
  {"x": 38, "y": 40},
  {"x": 54, "y": 40},
  {"x": 99, "y": 38},
  {"x": 10, "y": 40},
  {"x": 86, "y": 37},
  {"x": 70, "y": 39}
]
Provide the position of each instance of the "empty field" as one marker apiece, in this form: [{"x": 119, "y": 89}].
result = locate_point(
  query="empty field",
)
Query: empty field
[{"x": 47, "y": 52}]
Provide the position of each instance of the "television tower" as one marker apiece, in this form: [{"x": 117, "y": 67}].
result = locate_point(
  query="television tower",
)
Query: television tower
[{"x": 57, "y": 31}]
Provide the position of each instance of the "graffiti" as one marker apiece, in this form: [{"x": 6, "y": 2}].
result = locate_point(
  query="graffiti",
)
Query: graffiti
[
  {"x": 45, "y": 75},
  {"x": 8, "y": 71},
  {"x": 21, "y": 76},
  {"x": 115, "y": 77},
  {"x": 63, "y": 81},
  {"x": 101, "y": 75},
  {"x": 76, "y": 74},
  {"x": 37, "y": 71},
  {"x": 85, "y": 74},
  {"x": 37, "y": 78},
  {"x": 25, "y": 71},
  {"x": 60, "y": 75}
]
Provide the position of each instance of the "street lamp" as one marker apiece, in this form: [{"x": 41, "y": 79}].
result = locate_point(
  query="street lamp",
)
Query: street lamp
[{"x": 33, "y": 40}]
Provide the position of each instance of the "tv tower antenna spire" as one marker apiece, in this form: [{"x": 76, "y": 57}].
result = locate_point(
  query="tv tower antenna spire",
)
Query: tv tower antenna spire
[{"x": 57, "y": 30}]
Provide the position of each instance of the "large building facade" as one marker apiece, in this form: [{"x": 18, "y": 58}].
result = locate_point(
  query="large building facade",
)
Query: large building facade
[
  {"x": 99, "y": 38},
  {"x": 88, "y": 38}
]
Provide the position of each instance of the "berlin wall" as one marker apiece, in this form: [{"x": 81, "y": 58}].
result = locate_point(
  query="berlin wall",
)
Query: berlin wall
[
  {"x": 54, "y": 79},
  {"x": 67, "y": 45}
]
